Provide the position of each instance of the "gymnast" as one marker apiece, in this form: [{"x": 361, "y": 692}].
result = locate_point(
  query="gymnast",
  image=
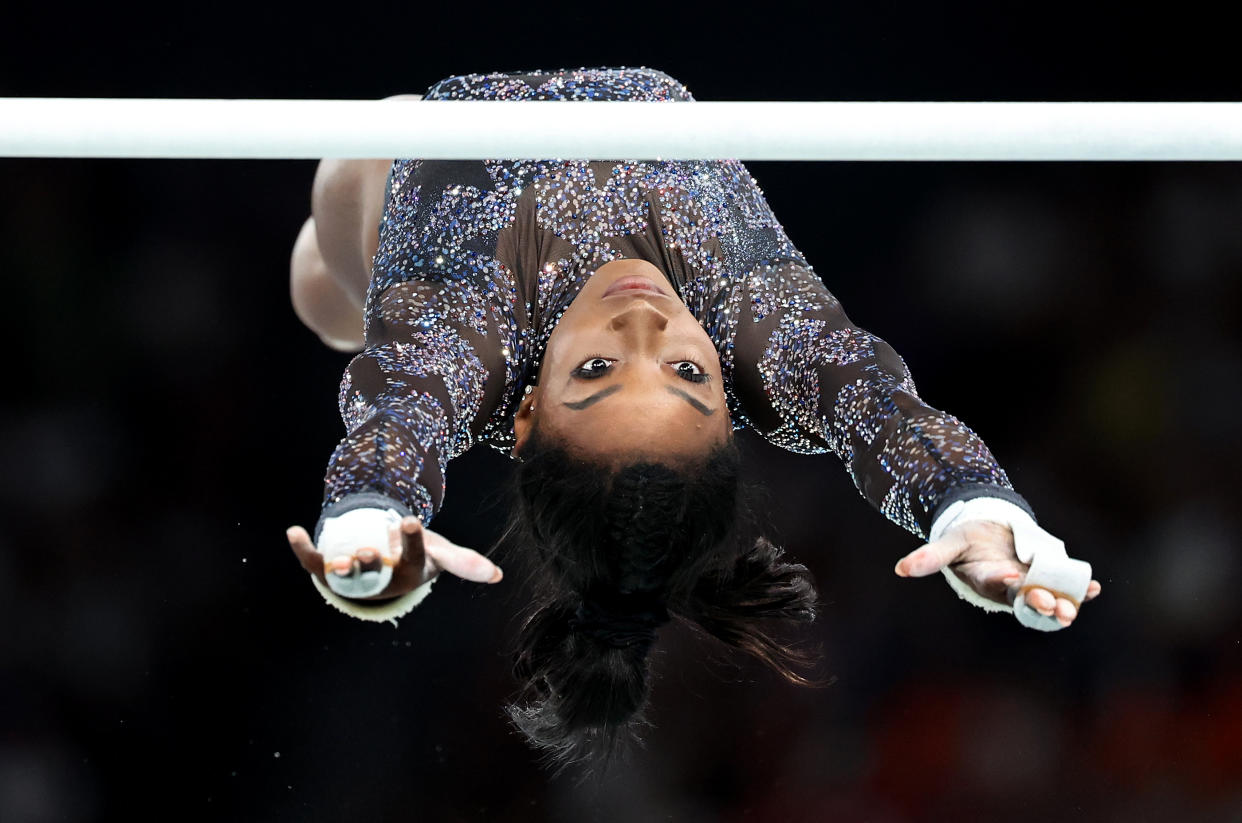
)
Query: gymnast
[{"x": 610, "y": 324}]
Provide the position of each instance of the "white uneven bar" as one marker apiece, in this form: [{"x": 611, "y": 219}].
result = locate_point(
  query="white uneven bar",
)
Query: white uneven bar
[{"x": 293, "y": 129}]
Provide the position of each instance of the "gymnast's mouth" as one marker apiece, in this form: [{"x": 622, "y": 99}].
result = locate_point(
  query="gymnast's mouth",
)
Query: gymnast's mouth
[{"x": 633, "y": 283}]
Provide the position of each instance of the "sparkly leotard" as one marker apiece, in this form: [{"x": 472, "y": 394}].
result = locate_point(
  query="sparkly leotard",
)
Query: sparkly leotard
[{"x": 478, "y": 259}]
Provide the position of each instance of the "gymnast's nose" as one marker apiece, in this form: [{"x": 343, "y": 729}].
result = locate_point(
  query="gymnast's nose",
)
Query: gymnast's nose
[{"x": 639, "y": 317}]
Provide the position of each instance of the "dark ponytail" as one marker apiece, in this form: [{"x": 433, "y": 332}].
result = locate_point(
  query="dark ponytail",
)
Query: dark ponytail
[{"x": 618, "y": 552}]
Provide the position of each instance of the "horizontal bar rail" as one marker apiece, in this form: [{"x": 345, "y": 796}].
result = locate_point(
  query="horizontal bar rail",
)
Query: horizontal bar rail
[{"x": 750, "y": 130}]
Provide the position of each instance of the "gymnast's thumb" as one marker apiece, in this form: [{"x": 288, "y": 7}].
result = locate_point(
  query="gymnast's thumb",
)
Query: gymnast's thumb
[
  {"x": 929, "y": 558},
  {"x": 464, "y": 563}
]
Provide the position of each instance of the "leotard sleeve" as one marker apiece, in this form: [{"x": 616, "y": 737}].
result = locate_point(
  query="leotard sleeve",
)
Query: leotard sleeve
[
  {"x": 420, "y": 393},
  {"x": 811, "y": 381}
]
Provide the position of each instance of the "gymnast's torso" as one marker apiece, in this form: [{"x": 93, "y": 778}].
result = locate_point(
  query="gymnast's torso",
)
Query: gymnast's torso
[{"x": 476, "y": 261}]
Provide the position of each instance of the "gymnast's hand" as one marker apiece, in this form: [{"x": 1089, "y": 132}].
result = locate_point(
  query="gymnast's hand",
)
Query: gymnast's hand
[
  {"x": 982, "y": 555},
  {"x": 413, "y": 556}
]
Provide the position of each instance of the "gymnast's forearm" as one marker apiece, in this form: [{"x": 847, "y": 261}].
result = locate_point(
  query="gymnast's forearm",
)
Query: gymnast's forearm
[
  {"x": 386, "y": 459},
  {"x": 812, "y": 382},
  {"x": 908, "y": 459}
]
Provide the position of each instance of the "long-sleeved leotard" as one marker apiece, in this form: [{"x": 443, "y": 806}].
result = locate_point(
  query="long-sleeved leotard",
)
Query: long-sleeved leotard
[{"x": 478, "y": 259}]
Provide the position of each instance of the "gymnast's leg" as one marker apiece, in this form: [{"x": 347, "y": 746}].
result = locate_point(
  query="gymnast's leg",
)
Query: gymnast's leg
[
  {"x": 330, "y": 268},
  {"x": 320, "y": 301}
]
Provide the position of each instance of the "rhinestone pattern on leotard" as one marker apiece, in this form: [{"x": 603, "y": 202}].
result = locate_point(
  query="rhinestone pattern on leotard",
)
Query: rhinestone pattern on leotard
[{"x": 478, "y": 260}]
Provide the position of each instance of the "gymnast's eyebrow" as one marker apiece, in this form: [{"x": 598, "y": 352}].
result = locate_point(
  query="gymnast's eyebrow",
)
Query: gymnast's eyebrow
[
  {"x": 579, "y": 405},
  {"x": 706, "y": 412}
]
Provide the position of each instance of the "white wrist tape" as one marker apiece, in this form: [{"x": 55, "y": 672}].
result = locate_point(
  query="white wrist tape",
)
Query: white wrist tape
[
  {"x": 350, "y": 532},
  {"x": 346, "y": 534},
  {"x": 1050, "y": 566}
]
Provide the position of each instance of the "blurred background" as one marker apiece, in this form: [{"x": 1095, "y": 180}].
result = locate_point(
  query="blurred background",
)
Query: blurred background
[{"x": 167, "y": 418}]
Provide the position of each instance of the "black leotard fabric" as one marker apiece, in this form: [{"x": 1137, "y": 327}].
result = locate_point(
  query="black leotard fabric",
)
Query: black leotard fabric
[{"x": 478, "y": 259}]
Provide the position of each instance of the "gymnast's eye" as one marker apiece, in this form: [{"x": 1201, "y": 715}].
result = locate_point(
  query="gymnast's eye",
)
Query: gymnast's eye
[
  {"x": 593, "y": 368},
  {"x": 689, "y": 370}
]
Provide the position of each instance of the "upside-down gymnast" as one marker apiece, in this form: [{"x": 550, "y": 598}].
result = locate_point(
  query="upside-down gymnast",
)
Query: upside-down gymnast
[{"x": 610, "y": 324}]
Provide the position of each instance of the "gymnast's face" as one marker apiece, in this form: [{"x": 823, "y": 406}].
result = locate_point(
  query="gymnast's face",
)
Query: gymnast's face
[{"x": 628, "y": 373}]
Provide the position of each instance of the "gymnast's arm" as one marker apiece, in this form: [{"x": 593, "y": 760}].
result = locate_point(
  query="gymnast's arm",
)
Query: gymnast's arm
[
  {"x": 811, "y": 381},
  {"x": 413, "y": 399},
  {"x": 410, "y": 401}
]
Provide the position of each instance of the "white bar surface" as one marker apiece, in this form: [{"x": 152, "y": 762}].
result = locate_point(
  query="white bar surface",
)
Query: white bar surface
[{"x": 471, "y": 129}]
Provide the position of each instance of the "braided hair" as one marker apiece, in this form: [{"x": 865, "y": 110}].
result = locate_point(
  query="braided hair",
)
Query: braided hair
[{"x": 618, "y": 552}]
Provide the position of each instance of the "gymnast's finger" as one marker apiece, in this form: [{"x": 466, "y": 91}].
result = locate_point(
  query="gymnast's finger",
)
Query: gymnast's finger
[
  {"x": 932, "y": 557},
  {"x": 465, "y": 563},
  {"x": 406, "y": 541},
  {"x": 1041, "y": 600},
  {"x": 1092, "y": 590},
  {"x": 1066, "y": 611},
  {"x": 304, "y": 549}
]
